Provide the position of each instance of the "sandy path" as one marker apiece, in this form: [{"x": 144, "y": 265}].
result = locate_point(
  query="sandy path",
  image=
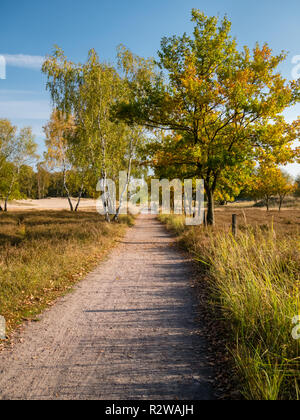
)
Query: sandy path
[{"x": 128, "y": 331}]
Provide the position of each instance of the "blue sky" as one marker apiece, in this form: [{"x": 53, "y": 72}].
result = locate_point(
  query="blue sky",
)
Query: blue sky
[{"x": 30, "y": 28}]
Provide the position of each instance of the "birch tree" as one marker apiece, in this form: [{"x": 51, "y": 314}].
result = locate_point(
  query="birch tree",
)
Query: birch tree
[
  {"x": 88, "y": 92},
  {"x": 64, "y": 155}
]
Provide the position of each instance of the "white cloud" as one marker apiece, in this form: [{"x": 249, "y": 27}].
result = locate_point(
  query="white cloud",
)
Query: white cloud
[
  {"x": 25, "y": 61},
  {"x": 34, "y": 110}
]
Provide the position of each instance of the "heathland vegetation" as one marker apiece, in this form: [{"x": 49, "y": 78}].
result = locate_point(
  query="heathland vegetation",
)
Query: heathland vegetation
[
  {"x": 254, "y": 281},
  {"x": 205, "y": 109},
  {"x": 43, "y": 254}
]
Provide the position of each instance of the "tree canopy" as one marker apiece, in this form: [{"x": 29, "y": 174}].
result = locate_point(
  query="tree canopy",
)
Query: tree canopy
[{"x": 222, "y": 105}]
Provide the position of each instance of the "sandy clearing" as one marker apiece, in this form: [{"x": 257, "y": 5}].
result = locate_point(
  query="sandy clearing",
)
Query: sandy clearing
[
  {"x": 128, "y": 331},
  {"x": 49, "y": 204}
]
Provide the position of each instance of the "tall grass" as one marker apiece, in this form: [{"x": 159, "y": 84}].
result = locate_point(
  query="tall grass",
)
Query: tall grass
[
  {"x": 43, "y": 254},
  {"x": 254, "y": 280}
]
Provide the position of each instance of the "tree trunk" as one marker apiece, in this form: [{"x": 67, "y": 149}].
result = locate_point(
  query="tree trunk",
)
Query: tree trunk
[
  {"x": 39, "y": 187},
  {"x": 67, "y": 191},
  {"x": 116, "y": 217},
  {"x": 107, "y": 217},
  {"x": 281, "y": 199},
  {"x": 70, "y": 204},
  {"x": 105, "y": 196},
  {"x": 77, "y": 204},
  {"x": 210, "y": 218},
  {"x": 10, "y": 190},
  {"x": 79, "y": 199}
]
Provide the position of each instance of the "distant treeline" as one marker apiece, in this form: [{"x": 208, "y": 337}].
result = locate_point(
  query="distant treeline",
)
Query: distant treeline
[{"x": 38, "y": 183}]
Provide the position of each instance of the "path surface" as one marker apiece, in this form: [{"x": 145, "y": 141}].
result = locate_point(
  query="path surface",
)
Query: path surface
[{"x": 128, "y": 331}]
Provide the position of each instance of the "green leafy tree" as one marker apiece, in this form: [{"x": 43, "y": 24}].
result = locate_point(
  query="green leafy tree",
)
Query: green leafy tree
[
  {"x": 270, "y": 182},
  {"x": 65, "y": 156},
  {"x": 88, "y": 92},
  {"x": 7, "y": 136},
  {"x": 285, "y": 186},
  {"x": 56, "y": 187},
  {"x": 22, "y": 151},
  {"x": 43, "y": 180},
  {"x": 222, "y": 104},
  {"x": 27, "y": 181}
]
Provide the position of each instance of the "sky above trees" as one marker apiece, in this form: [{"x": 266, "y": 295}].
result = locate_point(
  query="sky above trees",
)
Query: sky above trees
[{"x": 30, "y": 29}]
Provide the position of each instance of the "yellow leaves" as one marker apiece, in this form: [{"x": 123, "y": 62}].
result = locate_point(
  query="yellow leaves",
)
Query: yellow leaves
[
  {"x": 271, "y": 181},
  {"x": 177, "y": 138},
  {"x": 189, "y": 79},
  {"x": 57, "y": 130},
  {"x": 194, "y": 83},
  {"x": 262, "y": 54},
  {"x": 266, "y": 52},
  {"x": 296, "y": 126},
  {"x": 245, "y": 76},
  {"x": 276, "y": 142}
]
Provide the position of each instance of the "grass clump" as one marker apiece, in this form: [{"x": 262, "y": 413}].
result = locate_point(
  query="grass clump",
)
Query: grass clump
[
  {"x": 254, "y": 280},
  {"x": 175, "y": 223},
  {"x": 43, "y": 254}
]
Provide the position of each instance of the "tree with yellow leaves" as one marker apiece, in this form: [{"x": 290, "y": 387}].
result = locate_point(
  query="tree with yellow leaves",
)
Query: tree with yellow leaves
[
  {"x": 222, "y": 104},
  {"x": 270, "y": 182}
]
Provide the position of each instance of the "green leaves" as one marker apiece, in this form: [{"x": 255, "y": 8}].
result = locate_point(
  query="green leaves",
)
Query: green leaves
[
  {"x": 17, "y": 149},
  {"x": 217, "y": 98},
  {"x": 97, "y": 145}
]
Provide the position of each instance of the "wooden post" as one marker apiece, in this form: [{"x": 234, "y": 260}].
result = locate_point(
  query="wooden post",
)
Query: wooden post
[
  {"x": 234, "y": 225},
  {"x": 204, "y": 218}
]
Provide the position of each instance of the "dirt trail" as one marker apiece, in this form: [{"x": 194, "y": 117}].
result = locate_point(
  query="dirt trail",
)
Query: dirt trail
[{"x": 128, "y": 331}]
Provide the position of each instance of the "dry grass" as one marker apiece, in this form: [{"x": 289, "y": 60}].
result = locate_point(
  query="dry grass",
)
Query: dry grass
[
  {"x": 286, "y": 221},
  {"x": 43, "y": 254},
  {"x": 289, "y": 202},
  {"x": 254, "y": 282}
]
